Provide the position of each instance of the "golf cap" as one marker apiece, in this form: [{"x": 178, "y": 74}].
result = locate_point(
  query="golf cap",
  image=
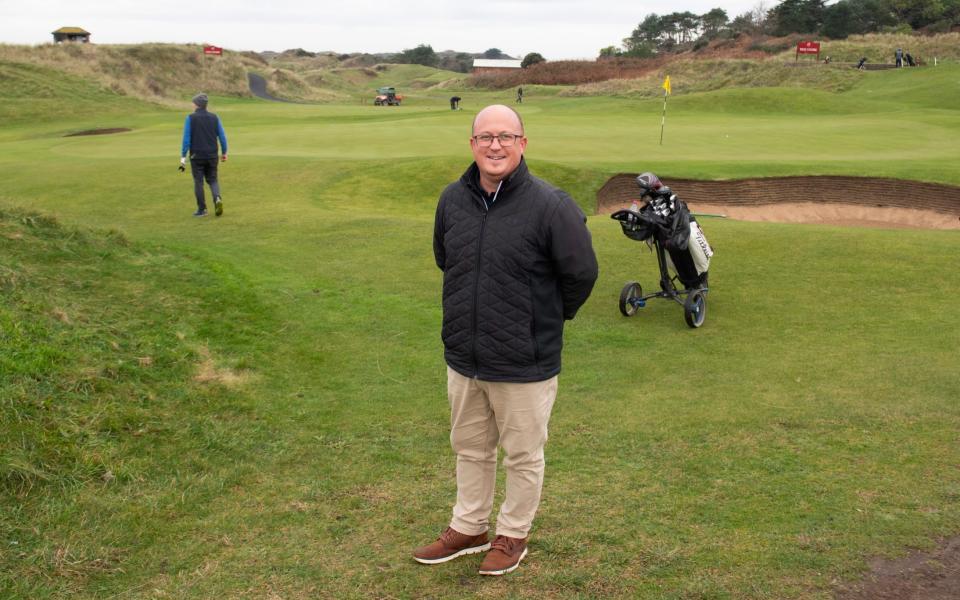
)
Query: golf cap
[{"x": 200, "y": 100}]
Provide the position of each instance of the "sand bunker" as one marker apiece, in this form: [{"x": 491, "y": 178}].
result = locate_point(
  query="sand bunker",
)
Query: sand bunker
[{"x": 832, "y": 200}]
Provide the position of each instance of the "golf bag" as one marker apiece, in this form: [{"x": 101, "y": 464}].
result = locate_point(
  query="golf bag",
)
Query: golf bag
[{"x": 667, "y": 219}]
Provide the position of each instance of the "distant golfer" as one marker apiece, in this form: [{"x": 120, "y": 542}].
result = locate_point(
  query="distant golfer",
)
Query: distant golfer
[
  {"x": 200, "y": 134},
  {"x": 454, "y": 102},
  {"x": 519, "y": 95}
]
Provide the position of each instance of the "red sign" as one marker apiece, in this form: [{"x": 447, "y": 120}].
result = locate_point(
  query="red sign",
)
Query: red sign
[
  {"x": 213, "y": 50},
  {"x": 808, "y": 48}
]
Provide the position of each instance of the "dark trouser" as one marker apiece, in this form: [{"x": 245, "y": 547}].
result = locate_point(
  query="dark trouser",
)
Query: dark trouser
[{"x": 204, "y": 168}]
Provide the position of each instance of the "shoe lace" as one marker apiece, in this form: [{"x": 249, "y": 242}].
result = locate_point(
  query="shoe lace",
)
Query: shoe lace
[
  {"x": 447, "y": 535},
  {"x": 505, "y": 544}
]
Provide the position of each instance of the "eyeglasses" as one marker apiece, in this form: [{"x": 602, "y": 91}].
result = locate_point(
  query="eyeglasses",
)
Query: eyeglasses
[{"x": 506, "y": 139}]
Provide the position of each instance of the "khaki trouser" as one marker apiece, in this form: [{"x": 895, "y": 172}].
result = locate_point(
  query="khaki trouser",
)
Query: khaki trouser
[{"x": 484, "y": 414}]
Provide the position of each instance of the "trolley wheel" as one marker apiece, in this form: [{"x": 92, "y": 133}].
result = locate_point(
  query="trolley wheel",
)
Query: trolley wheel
[
  {"x": 695, "y": 308},
  {"x": 630, "y": 292}
]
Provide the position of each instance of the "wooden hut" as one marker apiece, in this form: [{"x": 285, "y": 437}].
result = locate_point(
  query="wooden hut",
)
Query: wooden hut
[{"x": 71, "y": 34}]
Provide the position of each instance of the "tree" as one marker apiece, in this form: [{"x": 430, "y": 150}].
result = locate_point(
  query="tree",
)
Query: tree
[
  {"x": 494, "y": 53},
  {"x": 671, "y": 30},
  {"x": 837, "y": 21},
  {"x": 610, "y": 52},
  {"x": 532, "y": 59},
  {"x": 644, "y": 38},
  {"x": 647, "y": 33},
  {"x": 761, "y": 17},
  {"x": 797, "y": 16},
  {"x": 917, "y": 13},
  {"x": 687, "y": 25},
  {"x": 461, "y": 62},
  {"x": 421, "y": 55},
  {"x": 713, "y": 22},
  {"x": 743, "y": 24}
]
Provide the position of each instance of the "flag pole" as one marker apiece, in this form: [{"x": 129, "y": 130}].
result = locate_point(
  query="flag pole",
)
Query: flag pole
[{"x": 663, "y": 117}]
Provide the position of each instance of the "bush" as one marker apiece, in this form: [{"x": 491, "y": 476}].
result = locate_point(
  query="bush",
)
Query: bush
[{"x": 532, "y": 59}]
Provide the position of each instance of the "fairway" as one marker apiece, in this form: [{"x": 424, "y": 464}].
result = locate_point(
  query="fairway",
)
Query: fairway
[{"x": 810, "y": 424}]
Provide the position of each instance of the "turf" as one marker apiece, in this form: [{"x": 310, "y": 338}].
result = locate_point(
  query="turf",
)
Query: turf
[{"x": 288, "y": 435}]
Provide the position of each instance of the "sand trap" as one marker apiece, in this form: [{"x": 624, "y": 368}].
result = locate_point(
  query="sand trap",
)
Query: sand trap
[
  {"x": 830, "y": 200},
  {"x": 833, "y": 214}
]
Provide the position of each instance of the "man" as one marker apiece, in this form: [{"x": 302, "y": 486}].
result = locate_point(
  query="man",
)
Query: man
[
  {"x": 454, "y": 102},
  {"x": 200, "y": 134},
  {"x": 519, "y": 95},
  {"x": 898, "y": 55},
  {"x": 517, "y": 261}
]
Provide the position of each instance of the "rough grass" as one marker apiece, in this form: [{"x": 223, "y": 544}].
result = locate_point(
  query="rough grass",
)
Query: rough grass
[
  {"x": 692, "y": 76},
  {"x": 123, "y": 375},
  {"x": 164, "y": 73},
  {"x": 880, "y": 48},
  {"x": 33, "y": 93}
]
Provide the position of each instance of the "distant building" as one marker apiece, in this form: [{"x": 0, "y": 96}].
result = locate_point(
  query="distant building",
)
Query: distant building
[
  {"x": 495, "y": 65},
  {"x": 71, "y": 34}
]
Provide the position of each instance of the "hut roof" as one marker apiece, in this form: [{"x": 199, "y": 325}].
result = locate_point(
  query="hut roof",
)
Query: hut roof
[{"x": 72, "y": 30}]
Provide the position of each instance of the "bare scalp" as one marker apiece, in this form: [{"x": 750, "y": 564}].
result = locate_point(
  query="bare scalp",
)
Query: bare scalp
[{"x": 497, "y": 110}]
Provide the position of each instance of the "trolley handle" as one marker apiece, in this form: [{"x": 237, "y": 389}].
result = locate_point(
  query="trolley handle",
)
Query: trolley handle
[{"x": 630, "y": 217}]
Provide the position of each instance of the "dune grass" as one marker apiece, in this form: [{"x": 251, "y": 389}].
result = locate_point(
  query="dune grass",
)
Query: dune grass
[
  {"x": 160, "y": 73},
  {"x": 288, "y": 435}
]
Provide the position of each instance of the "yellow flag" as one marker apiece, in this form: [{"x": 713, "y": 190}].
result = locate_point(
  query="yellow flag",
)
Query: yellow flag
[{"x": 666, "y": 85}]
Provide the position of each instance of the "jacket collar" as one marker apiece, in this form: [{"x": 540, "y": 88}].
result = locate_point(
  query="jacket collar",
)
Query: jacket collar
[{"x": 471, "y": 179}]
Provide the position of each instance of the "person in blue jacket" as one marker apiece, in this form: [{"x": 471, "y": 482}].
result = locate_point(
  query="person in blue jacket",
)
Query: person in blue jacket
[{"x": 201, "y": 132}]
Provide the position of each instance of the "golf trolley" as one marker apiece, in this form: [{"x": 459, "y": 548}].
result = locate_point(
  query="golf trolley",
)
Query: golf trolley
[{"x": 683, "y": 254}]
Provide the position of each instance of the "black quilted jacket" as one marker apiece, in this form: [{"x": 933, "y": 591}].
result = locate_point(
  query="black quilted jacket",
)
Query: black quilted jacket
[{"x": 511, "y": 275}]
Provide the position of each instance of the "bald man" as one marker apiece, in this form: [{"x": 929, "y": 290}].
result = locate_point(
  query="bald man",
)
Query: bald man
[{"x": 517, "y": 262}]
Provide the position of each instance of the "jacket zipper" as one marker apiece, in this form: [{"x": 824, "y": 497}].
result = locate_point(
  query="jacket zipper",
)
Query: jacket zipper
[
  {"x": 476, "y": 279},
  {"x": 476, "y": 292}
]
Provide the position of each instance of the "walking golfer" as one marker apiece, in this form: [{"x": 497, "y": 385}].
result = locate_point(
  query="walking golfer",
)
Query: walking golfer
[
  {"x": 517, "y": 262},
  {"x": 200, "y": 134}
]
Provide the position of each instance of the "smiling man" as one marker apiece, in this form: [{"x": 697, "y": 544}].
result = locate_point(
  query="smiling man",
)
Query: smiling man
[{"x": 517, "y": 261}]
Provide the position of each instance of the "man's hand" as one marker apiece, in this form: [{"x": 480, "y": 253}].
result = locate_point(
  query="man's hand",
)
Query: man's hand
[
  {"x": 223, "y": 158},
  {"x": 183, "y": 164}
]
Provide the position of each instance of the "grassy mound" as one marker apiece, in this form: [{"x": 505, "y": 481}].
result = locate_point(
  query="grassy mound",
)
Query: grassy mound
[
  {"x": 355, "y": 84},
  {"x": 880, "y": 47},
  {"x": 692, "y": 76},
  {"x": 117, "y": 362},
  {"x": 33, "y": 93},
  {"x": 156, "y": 72}
]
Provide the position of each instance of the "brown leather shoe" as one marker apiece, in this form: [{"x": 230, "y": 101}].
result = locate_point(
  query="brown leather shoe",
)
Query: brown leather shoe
[
  {"x": 504, "y": 556},
  {"x": 450, "y": 545}
]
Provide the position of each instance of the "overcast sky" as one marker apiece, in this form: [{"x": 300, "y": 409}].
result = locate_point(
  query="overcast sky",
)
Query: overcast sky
[{"x": 554, "y": 28}]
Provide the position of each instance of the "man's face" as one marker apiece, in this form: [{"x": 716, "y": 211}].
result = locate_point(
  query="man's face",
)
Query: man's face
[{"x": 497, "y": 161}]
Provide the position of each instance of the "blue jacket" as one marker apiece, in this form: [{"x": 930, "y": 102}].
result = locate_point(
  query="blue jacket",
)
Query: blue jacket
[{"x": 201, "y": 131}]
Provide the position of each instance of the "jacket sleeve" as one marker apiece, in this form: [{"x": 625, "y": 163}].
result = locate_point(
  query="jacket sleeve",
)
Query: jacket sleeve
[
  {"x": 185, "y": 146},
  {"x": 439, "y": 252},
  {"x": 571, "y": 250},
  {"x": 222, "y": 135}
]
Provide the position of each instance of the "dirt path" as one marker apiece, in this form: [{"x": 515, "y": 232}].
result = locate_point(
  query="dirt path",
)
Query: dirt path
[
  {"x": 856, "y": 201},
  {"x": 258, "y": 87}
]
